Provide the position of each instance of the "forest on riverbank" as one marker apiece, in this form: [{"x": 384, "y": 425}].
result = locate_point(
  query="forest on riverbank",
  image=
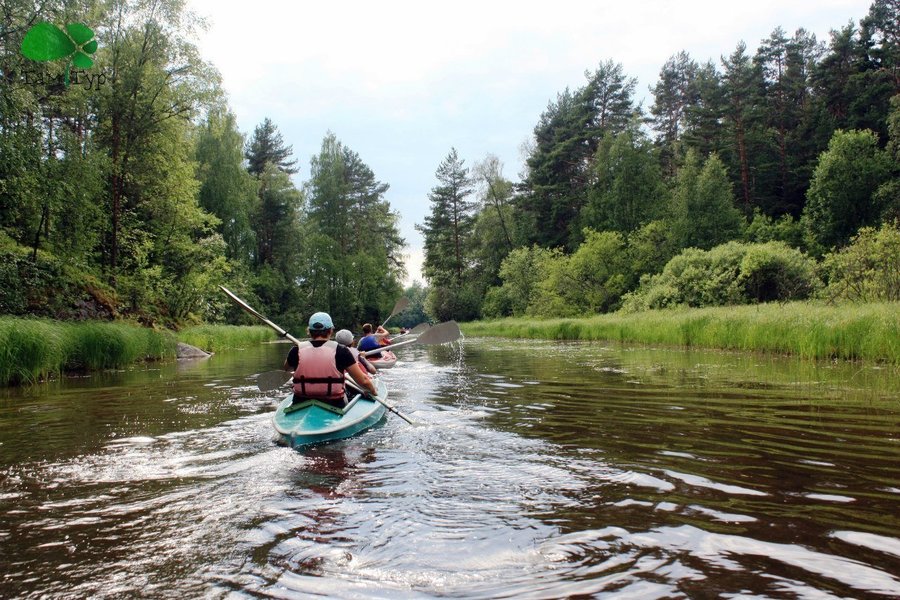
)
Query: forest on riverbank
[{"x": 128, "y": 191}]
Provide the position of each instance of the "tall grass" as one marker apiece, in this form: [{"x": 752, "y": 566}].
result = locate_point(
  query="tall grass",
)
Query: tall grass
[
  {"x": 216, "y": 338},
  {"x": 806, "y": 329},
  {"x": 34, "y": 349}
]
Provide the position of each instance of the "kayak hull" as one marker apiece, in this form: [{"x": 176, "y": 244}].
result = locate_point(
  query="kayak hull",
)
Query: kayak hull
[
  {"x": 318, "y": 424},
  {"x": 388, "y": 360}
]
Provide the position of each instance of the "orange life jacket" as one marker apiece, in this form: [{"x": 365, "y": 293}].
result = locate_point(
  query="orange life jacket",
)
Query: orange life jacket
[{"x": 317, "y": 376}]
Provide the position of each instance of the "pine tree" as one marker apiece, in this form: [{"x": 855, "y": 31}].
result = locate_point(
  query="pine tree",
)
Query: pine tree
[{"x": 267, "y": 147}]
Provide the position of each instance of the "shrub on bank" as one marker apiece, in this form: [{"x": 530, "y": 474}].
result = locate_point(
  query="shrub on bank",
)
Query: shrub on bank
[{"x": 729, "y": 274}]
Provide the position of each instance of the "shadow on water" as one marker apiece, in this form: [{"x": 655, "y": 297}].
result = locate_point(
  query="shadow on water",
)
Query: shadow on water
[{"x": 535, "y": 470}]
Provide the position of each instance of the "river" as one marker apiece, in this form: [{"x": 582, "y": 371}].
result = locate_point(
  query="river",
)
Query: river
[{"x": 534, "y": 470}]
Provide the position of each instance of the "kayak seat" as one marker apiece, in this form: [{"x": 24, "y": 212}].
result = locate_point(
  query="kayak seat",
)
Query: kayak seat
[{"x": 295, "y": 406}]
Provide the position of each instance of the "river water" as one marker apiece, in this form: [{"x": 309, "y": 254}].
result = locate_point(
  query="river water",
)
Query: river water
[{"x": 535, "y": 470}]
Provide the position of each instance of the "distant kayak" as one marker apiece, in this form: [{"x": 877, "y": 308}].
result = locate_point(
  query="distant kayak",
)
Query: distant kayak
[
  {"x": 388, "y": 359},
  {"x": 315, "y": 422}
]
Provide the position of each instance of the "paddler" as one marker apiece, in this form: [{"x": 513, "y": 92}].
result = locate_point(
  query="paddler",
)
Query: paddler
[
  {"x": 369, "y": 341},
  {"x": 319, "y": 365},
  {"x": 345, "y": 337}
]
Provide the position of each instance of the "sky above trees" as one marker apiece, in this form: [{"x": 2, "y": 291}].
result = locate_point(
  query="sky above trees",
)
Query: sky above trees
[{"x": 402, "y": 82}]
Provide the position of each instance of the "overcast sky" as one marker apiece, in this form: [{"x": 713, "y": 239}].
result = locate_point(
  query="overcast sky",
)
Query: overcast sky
[{"x": 400, "y": 83}]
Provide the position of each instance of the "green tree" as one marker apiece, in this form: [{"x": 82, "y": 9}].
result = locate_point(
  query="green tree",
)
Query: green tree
[
  {"x": 703, "y": 211},
  {"x": 227, "y": 190},
  {"x": 627, "y": 190},
  {"x": 266, "y": 147},
  {"x": 841, "y": 195},
  {"x": 448, "y": 229},
  {"x": 356, "y": 245},
  {"x": 566, "y": 139},
  {"x": 672, "y": 95}
]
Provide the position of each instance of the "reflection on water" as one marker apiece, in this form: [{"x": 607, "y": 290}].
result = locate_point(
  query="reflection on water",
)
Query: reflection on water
[{"x": 535, "y": 470}]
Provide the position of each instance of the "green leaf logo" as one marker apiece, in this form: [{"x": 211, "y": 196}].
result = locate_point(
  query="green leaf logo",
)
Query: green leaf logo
[{"x": 46, "y": 42}]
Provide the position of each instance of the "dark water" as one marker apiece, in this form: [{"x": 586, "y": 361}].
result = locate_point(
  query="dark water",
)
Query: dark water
[{"x": 537, "y": 470}]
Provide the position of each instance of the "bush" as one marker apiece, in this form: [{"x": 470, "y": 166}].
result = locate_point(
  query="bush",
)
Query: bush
[
  {"x": 733, "y": 273},
  {"x": 868, "y": 270}
]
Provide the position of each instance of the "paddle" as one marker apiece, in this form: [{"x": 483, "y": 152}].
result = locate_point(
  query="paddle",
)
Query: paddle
[
  {"x": 401, "y": 305},
  {"x": 349, "y": 381},
  {"x": 285, "y": 334},
  {"x": 420, "y": 328},
  {"x": 442, "y": 333},
  {"x": 271, "y": 380}
]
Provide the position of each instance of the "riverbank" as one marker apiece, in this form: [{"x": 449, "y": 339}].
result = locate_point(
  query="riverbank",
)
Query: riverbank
[
  {"x": 33, "y": 350},
  {"x": 805, "y": 329}
]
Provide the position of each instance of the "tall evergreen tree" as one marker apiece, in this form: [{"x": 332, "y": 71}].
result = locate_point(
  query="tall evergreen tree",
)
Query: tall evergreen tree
[
  {"x": 265, "y": 147},
  {"x": 448, "y": 229},
  {"x": 739, "y": 80},
  {"x": 675, "y": 91}
]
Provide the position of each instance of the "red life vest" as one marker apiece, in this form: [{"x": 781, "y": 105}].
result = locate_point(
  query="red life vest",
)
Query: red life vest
[{"x": 317, "y": 376}]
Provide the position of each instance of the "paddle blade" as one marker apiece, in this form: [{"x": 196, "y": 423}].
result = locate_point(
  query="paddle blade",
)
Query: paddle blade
[
  {"x": 401, "y": 305},
  {"x": 420, "y": 328},
  {"x": 272, "y": 380},
  {"x": 442, "y": 333}
]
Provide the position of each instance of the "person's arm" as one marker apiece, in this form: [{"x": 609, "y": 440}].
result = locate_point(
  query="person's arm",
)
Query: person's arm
[
  {"x": 292, "y": 359},
  {"x": 369, "y": 366},
  {"x": 360, "y": 377}
]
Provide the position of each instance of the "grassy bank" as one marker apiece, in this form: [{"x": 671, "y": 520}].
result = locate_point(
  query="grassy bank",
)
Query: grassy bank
[
  {"x": 809, "y": 330},
  {"x": 218, "y": 338},
  {"x": 34, "y": 349}
]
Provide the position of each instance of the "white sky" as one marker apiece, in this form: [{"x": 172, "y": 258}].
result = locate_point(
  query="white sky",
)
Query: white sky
[{"x": 400, "y": 83}]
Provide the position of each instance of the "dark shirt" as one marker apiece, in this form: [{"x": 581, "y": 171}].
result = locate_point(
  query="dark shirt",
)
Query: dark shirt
[{"x": 343, "y": 359}]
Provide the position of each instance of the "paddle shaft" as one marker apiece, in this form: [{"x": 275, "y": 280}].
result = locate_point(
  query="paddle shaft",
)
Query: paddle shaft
[{"x": 349, "y": 381}]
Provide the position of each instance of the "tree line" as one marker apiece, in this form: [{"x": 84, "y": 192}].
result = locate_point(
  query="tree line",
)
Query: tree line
[
  {"x": 136, "y": 197},
  {"x": 788, "y": 154}
]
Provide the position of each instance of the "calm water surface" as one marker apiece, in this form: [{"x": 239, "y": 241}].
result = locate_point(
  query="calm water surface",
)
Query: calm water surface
[{"x": 536, "y": 470}]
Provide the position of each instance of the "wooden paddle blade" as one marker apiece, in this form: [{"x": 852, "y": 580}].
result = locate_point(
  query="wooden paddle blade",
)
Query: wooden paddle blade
[
  {"x": 420, "y": 328},
  {"x": 272, "y": 380},
  {"x": 442, "y": 333}
]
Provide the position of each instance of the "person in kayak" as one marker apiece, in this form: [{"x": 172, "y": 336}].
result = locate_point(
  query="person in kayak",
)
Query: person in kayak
[
  {"x": 319, "y": 365},
  {"x": 369, "y": 341},
  {"x": 345, "y": 337}
]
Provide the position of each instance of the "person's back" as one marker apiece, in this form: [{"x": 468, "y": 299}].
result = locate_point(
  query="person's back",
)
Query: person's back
[
  {"x": 319, "y": 366},
  {"x": 369, "y": 341}
]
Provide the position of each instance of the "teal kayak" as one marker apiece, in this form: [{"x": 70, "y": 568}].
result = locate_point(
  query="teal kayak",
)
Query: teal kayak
[{"x": 316, "y": 422}]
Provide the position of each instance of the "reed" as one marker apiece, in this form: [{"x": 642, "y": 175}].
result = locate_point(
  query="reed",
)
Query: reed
[
  {"x": 217, "y": 338},
  {"x": 34, "y": 349},
  {"x": 806, "y": 329}
]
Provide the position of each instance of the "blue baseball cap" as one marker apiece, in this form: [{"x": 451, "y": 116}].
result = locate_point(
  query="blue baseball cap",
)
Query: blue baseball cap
[{"x": 320, "y": 322}]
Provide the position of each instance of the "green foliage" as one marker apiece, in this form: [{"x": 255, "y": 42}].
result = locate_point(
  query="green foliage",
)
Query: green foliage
[
  {"x": 227, "y": 190},
  {"x": 352, "y": 267},
  {"x": 627, "y": 190},
  {"x": 565, "y": 141},
  {"x": 415, "y": 312},
  {"x": 521, "y": 271},
  {"x": 461, "y": 303},
  {"x": 732, "y": 273},
  {"x": 703, "y": 213},
  {"x": 867, "y": 270},
  {"x": 841, "y": 195},
  {"x": 805, "y": 329},
  {"x": 766, "y": 229}
]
